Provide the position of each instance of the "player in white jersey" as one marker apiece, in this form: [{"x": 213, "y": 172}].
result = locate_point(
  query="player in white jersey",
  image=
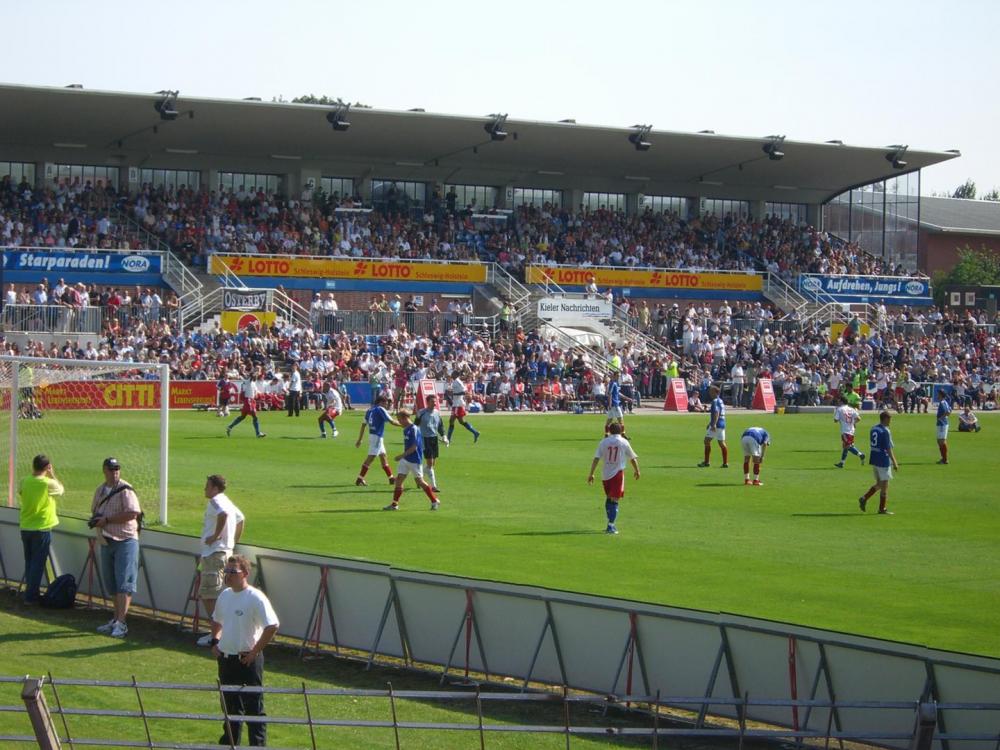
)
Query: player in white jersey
[
  {"x": 334, "y": 406},
  {"x": 615, "y": 451},
  {"x": 847, "y": 417},
  {"x": 457, "y": 390}
]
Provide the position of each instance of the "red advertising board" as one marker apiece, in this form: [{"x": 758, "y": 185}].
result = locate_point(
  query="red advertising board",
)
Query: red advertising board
[
  {"x": 425, "y": 388},
  {"x": 763, "y": 397},
  {"x": 123, "y": 394},
  {"x": 677, "y": 397}
]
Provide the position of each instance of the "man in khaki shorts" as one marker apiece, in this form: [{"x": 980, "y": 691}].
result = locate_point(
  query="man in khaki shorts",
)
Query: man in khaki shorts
[{"x": 221, "y": 530}]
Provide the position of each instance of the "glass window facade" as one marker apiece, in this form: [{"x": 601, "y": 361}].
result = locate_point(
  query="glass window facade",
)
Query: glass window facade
[
  {"x": 84, "y": 173},
  {"x": 723, "y": 207},
  {"x": 398, "y": 196},
  {"x": 234, "y": 182},
  {"x": 609, "y": 201},
  {"x": 17, "y": 171},
  {"x": 342, "y": 187},
  {"x": 661, "y": 203},
  {"x": 170, "y": 179},
  {"x": 537, "y": 197},
  {"x": 883, "y": 218},
  {"x": 482, "y": 197},
  {"x": 794, "y": 212}
]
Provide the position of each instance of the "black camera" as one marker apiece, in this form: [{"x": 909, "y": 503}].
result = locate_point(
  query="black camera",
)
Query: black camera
[{"x": 94, "y": 519}]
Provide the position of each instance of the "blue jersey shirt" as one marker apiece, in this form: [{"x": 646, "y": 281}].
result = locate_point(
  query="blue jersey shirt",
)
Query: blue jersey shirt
[
  {"x": 376, "y": 418},
  {"x": 881, "y": 444},
  {"x": 614, "y": 394},
  {"x": 944, "y": 409},
  {"x": 412, "y": 437},
  {"x": 718, "y": 412},
  {"x": 759, "y": 434}
]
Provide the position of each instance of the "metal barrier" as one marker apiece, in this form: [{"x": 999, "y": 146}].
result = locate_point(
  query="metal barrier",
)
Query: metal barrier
[
  {"x": 52, "y": 319},
  {"x": 924, "y": 715}
]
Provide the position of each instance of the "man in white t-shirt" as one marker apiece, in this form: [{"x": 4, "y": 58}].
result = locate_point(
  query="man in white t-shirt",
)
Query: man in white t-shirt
[
  {"x": 615, "y": 451},
  {"x": 221, "y": 529},
  {"x": 457, "y": 390},
  {"x": 847, "y": 417},
  {"x": 244, "y": 623}
]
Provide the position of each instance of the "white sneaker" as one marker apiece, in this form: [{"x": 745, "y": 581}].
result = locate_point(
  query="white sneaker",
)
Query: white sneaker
[
  {"x": 205, "y": 640},
  {"x": 108, "y": 626},
  {"x": 435, "y": 505},
  {"x": 335, "y": 433},
  {"x": 120, "y": 630}
]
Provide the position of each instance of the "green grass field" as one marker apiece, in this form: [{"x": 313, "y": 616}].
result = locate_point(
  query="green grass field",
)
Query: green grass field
[{"x": 516, "y": 507}]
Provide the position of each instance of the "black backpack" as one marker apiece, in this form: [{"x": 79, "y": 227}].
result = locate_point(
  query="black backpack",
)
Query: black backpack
[{"x": 61, "y": 593}]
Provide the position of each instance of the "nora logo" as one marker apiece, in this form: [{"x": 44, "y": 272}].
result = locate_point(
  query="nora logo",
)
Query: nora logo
[
  {"x": 812, "y": 284},
  {"x": 135, "y": 264},
  {"x": 914, "y": 288}
]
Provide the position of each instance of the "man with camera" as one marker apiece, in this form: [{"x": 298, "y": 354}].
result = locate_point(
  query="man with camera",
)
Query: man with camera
[{"x": 115, "y": 513}]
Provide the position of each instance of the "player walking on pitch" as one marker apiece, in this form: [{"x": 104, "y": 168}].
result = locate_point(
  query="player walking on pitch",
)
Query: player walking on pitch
[
  {"x": 376, "y": 418},
  {"x": 754, "y": 442},
  {"x": 410, "y": 461},
  {"x": 881, "y": 457},
  {"x": 615, "y": 397},
  {"x": 847, "y": 417},
  {"x": 716, "y": 428},
  {"x": 249, "y": 408},
  {"x": 943, "y": 411},
  {"x": 457, "y": 391},
  {"x": 334, "y": 406},
  {"x": 615, "y": 451},
  {"x": 431, "y": 429}
]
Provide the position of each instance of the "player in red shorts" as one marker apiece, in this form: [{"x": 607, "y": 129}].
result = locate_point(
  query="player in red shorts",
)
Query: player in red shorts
[
  {"x": 249, "y": 409},
  {"x": 334, "y": 405},
  {"x": 615, "y": 451},
  {"x": 457, "y": 391}
]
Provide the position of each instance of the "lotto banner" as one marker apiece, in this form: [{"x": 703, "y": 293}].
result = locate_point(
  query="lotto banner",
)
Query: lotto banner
[
  {"x": 123, "y": 394},
  {"x": 328, "y": 268},
  {"x": 643, "y": 278}
]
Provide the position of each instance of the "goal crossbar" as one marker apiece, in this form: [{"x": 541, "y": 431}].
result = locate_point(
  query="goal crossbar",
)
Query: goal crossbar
[{"x": 11, "y": 377}]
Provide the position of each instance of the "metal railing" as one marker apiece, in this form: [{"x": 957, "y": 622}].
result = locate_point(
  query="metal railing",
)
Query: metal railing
[
  {"x": 641, "y": 716},
  {"x": 53, "y": 319}
]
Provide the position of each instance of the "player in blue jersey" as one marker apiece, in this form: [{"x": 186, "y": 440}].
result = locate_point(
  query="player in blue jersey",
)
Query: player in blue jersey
[
  {"x": 754, "y": 442},
  {"x": 615, "y": 398},
  {"x": 716, "y": 428},
  {"x": 410, "y": 462},
  {"x": 881, "y": 458},
  {"x": 943, "y": 410},
  {"x": 376, "y": 419}
]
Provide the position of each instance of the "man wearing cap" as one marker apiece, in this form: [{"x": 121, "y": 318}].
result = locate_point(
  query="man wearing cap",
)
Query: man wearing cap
[
  {"x": 37, "y": 518},
  {"x": 221, "y": 530},
  {"x": 114, "y": 514}
]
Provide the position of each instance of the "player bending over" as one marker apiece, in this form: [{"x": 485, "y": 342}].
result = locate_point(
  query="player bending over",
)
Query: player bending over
[
  {"x": 754, "y": 442},
  {"x": 716, "y": 428},
  {"x": 847, "y": 417},
  {"x": 334, "y": 406},
  {"x": 410, "y": 462},
  {"x": 376, "y": 418},
  {"x": 615, "y": 451},
  {"x": 457, "y": 391},
  {"x": 881, "y": 457}
]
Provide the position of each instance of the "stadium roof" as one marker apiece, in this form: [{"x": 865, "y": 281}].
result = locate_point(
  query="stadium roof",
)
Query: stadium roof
[
  {"x": 114, "y": 128},
  {"x": 956, "y": 215}
]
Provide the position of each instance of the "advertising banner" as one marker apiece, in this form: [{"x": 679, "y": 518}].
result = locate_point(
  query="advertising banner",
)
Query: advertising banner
[
  {"x": 246, "y": 299},
  {"x": 329, "y": 268},
  {"x": 897, "y": 290},
  {"x": 123, "y": 394},
  {"x": 80, "y": 261},
  {"x": 649, "y": 278},
  {"x": 569, "y": 311},
  {"x": 234, "y": 321}
]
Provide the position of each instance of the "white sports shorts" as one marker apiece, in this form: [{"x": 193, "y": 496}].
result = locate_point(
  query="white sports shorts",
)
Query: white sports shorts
[
  {"x": 882, "y": 473},
  {"x": 942, "y": 432},
  {"x": 615, "y": 412},
  {"x": 405, "y": 467},
  {"x": 751, "y": 447},
  {"x": 719, "y": 434},
  {"x": 376, "y": 446}
]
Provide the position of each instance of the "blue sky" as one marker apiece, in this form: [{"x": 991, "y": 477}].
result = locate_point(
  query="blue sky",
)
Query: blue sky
[{"x": 868, "y": 73}]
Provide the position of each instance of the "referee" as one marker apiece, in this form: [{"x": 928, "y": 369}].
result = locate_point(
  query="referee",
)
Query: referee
[{"x": 431, "y": 428}]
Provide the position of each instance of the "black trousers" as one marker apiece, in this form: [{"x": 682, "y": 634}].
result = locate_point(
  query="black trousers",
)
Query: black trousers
[
  {"x": 294, "y": 401},
  {"x": 233, "y": 672}
]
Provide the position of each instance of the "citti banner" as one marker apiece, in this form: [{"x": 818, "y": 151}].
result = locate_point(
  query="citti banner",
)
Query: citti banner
[
  {"x": 329, "y": 268},
  {"x": 649, "y": 278},
  {"x": 122, "y": 394}
]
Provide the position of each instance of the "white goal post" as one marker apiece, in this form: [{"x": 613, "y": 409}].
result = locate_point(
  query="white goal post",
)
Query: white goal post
[{"x": 21, "y": 376}]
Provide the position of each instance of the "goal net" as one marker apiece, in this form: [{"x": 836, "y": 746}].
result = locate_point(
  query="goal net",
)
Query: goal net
[{"x": 79, "y": 412}]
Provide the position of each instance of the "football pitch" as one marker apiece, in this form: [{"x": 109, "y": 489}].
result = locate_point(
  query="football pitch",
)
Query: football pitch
[{"x": 516, "y": 507}]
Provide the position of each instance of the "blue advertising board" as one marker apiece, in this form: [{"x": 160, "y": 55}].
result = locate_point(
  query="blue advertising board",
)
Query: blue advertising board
[
  {"x": 24, "y": 265},
  {"x": 893, "y": 290}
]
